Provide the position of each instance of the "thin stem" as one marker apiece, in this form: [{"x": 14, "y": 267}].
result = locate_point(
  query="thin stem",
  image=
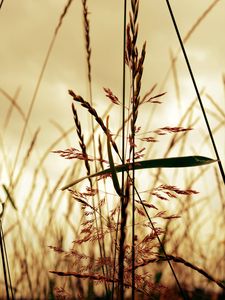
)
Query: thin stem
[
  {"x": 121, "y": 246},
  {"x": 115, "y": 256},
  {"x": 3, "y": 262},
  {"x": 1, "y": 4},
  {"x": 7, "y": 263},
  {"x": 88, "y": 60},
  {"x": 133, "y": 185},
  {"x": 197, "y": 91},
  {"x": 133, "y": 227},
  {"x": 36, "y": 90},
  {"x": 162, "y": 248},
  {"x": 121, "y": 266}
]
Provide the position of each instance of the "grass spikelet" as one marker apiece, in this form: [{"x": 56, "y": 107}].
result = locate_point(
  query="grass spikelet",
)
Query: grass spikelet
[
  {"x": 87, "y": 38},
  {"x": 111, "y": 96},
  {"x": 94, "y": 113},
  {"x": 81, "y": 139},
  {"x": 62, "y": 16}
]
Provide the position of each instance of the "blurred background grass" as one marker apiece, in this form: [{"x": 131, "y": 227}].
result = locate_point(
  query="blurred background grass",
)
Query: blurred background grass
[{"x": 46, "y": 216}]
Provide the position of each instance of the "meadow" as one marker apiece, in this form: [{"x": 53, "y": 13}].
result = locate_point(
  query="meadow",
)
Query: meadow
[{"x": 112, "y": 179}]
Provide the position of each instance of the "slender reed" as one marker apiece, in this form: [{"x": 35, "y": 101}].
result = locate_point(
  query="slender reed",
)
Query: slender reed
[
  {"x": 5, "y": 271},
  {"x": 197, "y": 91},
  {"x": 188, "y": 35},
  {"x": 88, "y": 60},
  {"x": 94, "y": 113},
  {"x": 135, "y": 105},
  {"x": 36, "y": 90},
  {"x": 14, "y": 104}
]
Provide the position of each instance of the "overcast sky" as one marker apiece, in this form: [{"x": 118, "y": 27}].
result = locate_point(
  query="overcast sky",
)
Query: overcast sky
[{"x": 26, "y": 29}]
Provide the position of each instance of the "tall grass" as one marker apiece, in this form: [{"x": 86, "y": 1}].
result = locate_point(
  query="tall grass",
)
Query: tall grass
[
  {"x": 115, "y": 248},
  {"x": 136, "y": 66}
]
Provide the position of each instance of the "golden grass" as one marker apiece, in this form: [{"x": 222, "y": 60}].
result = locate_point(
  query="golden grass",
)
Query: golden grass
[{"x": 49, "y": 222}]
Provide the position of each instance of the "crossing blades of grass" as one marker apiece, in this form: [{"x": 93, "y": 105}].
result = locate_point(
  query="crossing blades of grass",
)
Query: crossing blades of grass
[
  {"x": 9, "y": 196},
  {"x": 172, "y": 162}
]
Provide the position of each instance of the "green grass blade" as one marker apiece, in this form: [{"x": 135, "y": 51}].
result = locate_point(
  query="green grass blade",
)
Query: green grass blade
[{"x": 172, "y": 162}]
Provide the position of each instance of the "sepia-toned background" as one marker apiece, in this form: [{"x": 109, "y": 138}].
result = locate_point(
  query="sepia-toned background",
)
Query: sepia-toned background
[{"x": 27, "y": 29}]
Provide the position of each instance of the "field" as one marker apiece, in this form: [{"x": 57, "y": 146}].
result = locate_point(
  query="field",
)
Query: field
[{"x": 112, "y": 150}]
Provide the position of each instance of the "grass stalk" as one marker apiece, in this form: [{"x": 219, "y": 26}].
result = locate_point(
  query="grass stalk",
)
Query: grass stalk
[
  {"x": 196, "y": 91},
  {"x": 4, "y": 265},
  {"x": 38, "y": 84},
  {"x": 123, "y": 211},
  {"x": 188, "y": 35},
  {"x": 88, "y": 60}
]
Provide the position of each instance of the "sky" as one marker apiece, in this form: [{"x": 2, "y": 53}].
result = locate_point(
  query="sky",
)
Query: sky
[{"x": 26, "y": 30}]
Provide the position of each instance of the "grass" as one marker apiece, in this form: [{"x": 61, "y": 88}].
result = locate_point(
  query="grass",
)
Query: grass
[{"x": 123, "y": 228}]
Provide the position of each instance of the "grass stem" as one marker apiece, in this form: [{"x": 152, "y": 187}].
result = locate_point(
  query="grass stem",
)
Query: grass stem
[{"x": 197, "y": 91}]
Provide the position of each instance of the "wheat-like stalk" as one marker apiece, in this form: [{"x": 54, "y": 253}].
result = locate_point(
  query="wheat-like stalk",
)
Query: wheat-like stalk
[
  {"x": 87, "y": 38},
  {"x": 81, "y": 139},
  {"x": 94, "y": 113}
]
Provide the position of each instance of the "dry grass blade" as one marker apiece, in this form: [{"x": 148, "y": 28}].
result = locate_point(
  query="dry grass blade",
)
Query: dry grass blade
[
  {"x": 175, "y": 77},
  {"x": 219, "y": 109},
  {"x": 199, "y": 20},
  {"x": 14, "y": 104},
  {"x": 61, "y": 130},
  {"x": 26, "y": 157},
  {"x": 10, "y": 110},
  {"x": 94, "y": 277},
  {"x": 9, "y": 196},
  {"x": 187, "y": 36},
  {"x": 38, "y": 84}
]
